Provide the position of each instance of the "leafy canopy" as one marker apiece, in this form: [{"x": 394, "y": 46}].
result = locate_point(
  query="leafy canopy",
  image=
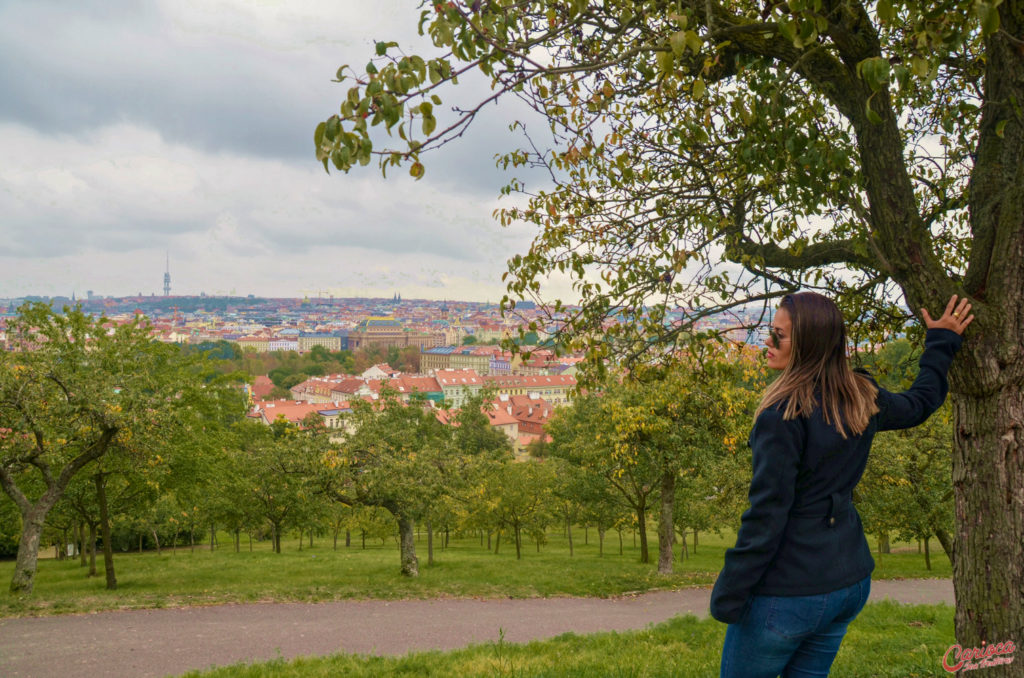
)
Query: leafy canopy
[{"x": 706, "y": 155}]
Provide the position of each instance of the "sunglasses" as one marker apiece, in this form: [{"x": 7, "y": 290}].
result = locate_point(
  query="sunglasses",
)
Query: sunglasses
[{"x": 774, "y": 335}]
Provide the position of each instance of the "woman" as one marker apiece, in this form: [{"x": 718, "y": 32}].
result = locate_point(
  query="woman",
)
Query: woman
[{"x": 801, "y": 567}]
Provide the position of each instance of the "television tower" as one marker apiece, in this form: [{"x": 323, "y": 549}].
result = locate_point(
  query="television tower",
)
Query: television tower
[{"x": 167, "y": 277}]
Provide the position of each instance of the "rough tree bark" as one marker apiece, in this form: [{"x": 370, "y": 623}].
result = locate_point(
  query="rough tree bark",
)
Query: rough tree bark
[
  {"x": 666, "y": 528},
  {"x": 108, "y": 547},
  {"x": 407, "y": 546},
  {"x": 430, "y": 543}
]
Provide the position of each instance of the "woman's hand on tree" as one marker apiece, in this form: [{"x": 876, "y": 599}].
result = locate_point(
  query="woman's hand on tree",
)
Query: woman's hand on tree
[{"x": 956, "y": 317}]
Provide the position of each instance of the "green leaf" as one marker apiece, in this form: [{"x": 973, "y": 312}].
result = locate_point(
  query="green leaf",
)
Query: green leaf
[
  {"x": 919, "y": 66},
  {"x": 419, "y": 65},
  {"x": 885, "y": 11},
  {"x": 665, "y": 61},
  {"x": 1001, "y": 128},
  {"x": 988, "y": 15},
  {"x": 678, "y": 42},
  {"x": 788, "y": 29},
  {"x": 875, "y": 72},
  {"x": 699, "y": 88},
  {"x": 873, "y": 117},
  {"x": 429, "y": 125},
  {"x": 694, "y": 41},
  {"x": 318, "y": 135},
  {"x": 332, "y": 127},
  {"x": 416, "y": 170}
]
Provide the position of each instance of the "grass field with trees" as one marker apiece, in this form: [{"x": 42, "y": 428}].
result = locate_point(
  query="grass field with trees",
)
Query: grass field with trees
[{"x": 465, "y": 568}]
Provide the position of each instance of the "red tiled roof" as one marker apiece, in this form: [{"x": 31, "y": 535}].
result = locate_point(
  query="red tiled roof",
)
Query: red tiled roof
[
  {"x": 261, "y": 387},
  {"x": 458, "y": 377}
]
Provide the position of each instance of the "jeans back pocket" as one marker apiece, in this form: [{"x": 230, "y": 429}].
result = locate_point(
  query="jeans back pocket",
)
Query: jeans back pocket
[{"x": 795, "y": 616}]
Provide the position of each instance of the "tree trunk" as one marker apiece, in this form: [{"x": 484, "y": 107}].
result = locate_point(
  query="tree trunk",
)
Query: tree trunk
[
  {"x": 666, "y": 528},
  {"x": 641, "y": 521},
  {"x": 213, "y": 535},
  {"x": 519, "y": 543},
  {"x": 28, "y": 550},
  {"x": 156, "y": 540},
  {"x": 945, "y": 541},
  {"x": 348, "y": 538},
  {"x": 927, "y": 554},
  {"x": 310, "y": 536},
  {"x": 988, "y": 549},
  {"x": 586, "y": 535},
  {"x": 620, "y": 542},
  {"x": 407, "y": 546},
  {"x": 568, "y": 531},
  {"x": 238, "y": 540},
  {"x": 600, "y": 543},
  {"x": 430, "y": 543},
  {"x": 497, "y": 542},
  {"x": 694, "y": 541},
  {"x": 82, "y": 547},
  {"x": 883, "y": 543},
  {"x": 301, "y": 533},
  {"x": 489, "y": 540},
  {"x": 108, "y": 546},
  {"x": 92, "y": 549}
]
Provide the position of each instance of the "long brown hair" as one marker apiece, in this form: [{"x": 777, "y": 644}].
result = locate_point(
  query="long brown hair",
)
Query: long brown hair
[{"x": 818, "y": 368}]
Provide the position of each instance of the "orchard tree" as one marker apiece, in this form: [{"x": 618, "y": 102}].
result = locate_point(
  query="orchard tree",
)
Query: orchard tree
[
  {"x": 640, "y": 435},
  {"x": 392, "y": 460},
  {"x": 710, "y": 153},
  {"x": 519, "y": 498},
  {"x": 74, "y": 388},
  {"x": 907, "y": 486}
]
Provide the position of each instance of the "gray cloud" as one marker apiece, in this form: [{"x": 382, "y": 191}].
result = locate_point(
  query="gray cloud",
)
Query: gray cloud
[{"x": 134, "y": 128}]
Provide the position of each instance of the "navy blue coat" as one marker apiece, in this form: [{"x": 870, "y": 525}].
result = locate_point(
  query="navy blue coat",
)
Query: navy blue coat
[{"x": 801, "y": 535}]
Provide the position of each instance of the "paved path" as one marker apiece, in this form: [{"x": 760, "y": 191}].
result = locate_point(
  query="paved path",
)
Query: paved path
[{"x": 138, "y": 643}]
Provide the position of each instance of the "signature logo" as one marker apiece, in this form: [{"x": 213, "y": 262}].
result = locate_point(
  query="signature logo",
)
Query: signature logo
[{"x": 967, "y": 659}]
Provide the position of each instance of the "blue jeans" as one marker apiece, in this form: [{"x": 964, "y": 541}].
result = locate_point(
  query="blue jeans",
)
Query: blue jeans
[{"x": 795, "y": 636}]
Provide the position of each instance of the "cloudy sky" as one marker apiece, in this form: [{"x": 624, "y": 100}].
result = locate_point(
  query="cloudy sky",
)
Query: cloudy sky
[{"x": 133, "y": 130}]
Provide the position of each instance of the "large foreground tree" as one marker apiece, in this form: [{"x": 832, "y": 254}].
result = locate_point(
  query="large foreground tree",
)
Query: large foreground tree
[{"x": 709, "y": 153}]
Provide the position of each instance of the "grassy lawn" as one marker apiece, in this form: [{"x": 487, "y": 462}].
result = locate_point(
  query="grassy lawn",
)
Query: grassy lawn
[
  {"x": 464, "y": 569},
  {"x": 886, "y": 640}
]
